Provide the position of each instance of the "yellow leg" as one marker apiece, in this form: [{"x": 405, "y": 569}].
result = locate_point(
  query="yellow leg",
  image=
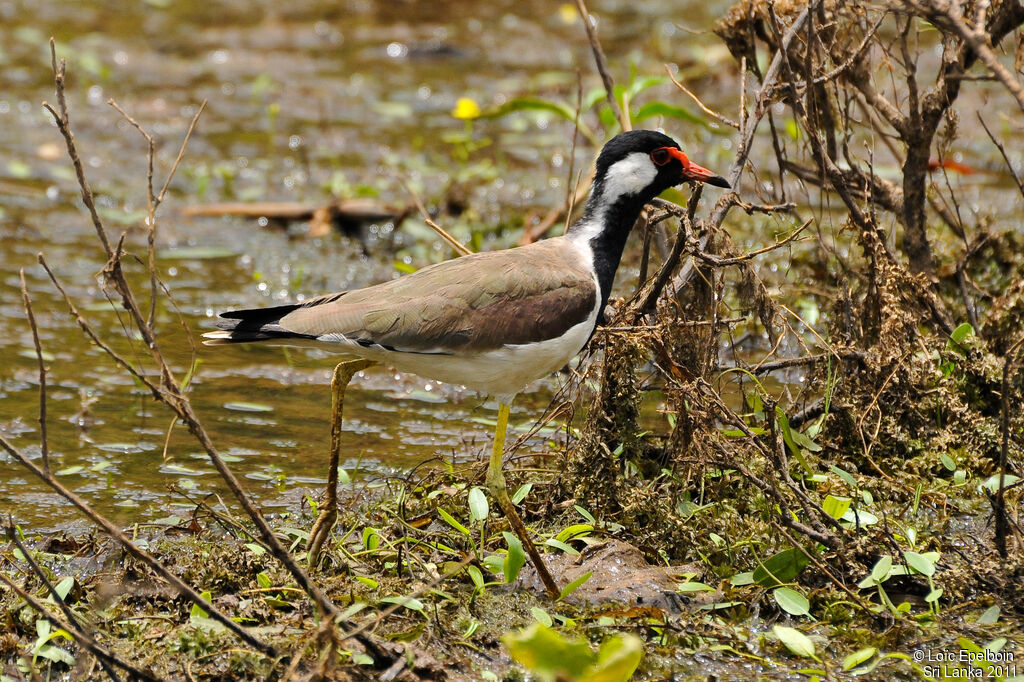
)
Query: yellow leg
[
  {"x": 496, "y": 484},
  {"x": 343, "y": 374}
]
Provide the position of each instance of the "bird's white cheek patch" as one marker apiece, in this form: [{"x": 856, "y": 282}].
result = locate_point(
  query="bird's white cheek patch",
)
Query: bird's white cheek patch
[{"x": 629, "y": 176}]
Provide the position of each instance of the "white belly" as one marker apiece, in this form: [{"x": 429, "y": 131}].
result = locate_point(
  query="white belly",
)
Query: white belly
[{"x": 500, "y": 373}]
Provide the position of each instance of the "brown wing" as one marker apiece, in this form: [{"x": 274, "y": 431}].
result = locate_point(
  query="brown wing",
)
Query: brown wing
[{"x": 474, "y": 303}]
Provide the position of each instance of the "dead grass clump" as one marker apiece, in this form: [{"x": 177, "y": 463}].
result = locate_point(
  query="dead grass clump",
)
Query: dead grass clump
[{"x": 594, "y": 467}]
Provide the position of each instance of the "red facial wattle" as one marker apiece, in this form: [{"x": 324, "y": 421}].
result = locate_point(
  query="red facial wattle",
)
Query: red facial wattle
[{"x": 691, "y": 171}]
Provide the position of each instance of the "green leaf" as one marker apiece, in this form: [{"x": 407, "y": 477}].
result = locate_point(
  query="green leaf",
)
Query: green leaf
[
  {"x": 521, "y": 493},
  {"x": 858, "y": 657},
  {"x": 741, "y": 579},
  {"x": 574, "y": 585},
  {"x": 968, "y": 645},
  {"x": 55, "y": 653},
  {"x": 845, "y": 475},
  {"x": 933, "y": 596},
  {"x": 541, "y": 616},
  {"x": 991, "y": 484},
  {"x": 792, "y": 129},
  {"x": 719, "y": 606},
  {"x": 263, "y": 580},
  {"x": 362, "y": 659},
  {"x": 880, "y": 571},
  {"x": 369, "y": 582},
  {"x": 590, "y": 99},
  {"x": 995, "y": 645},
  {"x": 407, "y": 602},
  {"x": 531, "y": 104},
  {"x": 537, "y": 104},
  {"x": 63, "y": 588},
  {"x": 574, "y": 531},
  {"x": 836, "y": 506},
  {"x": 278, "y": 603},
  {"x": 859, "y": 517},
  {"x": 961, "y": 333},
  {"x": 450, "y": 520},
  {"x": 549, "y": 654},
  {"x": 919, "y": 563},
  {"x": 617, "y": 659},
  {"x": 495, "y": 563},
  {"x": 239, "y": 406},
  {"x": 478, "y": 508},
  {"x": 209, "y": 624},
  {"x": 197, "y": 611},
  {"x": 568, "y": 549},
  {"x": 353, "y": 609},
  {"x": 476, "y": 576},
  {"x": 948, "y": 462},
  {"x": 515, "y": 559},
  {"x": 797, "y": 642},
  {"x": 18, "y": 169},
  {"x": 693, "y": 586},
  {"x": 196, "y": 253},
  {"x": 791, "y": 436},
  {"x": 644, "y": 83},
  {"x": 585, "y": 514},
  {"x": 473, "y": 626},
  {"x": 989, "y": 616},
  {"x": 781, "y": 568},
  {"x": 652, "y": 109},
  {"x": 371, "y": 539},
  {"x": 791, "y": 601},
  {"x": 803, "y": 441}
]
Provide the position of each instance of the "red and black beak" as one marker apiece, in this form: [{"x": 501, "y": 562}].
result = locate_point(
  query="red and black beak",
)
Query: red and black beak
[{"x": 693, "y": 172}]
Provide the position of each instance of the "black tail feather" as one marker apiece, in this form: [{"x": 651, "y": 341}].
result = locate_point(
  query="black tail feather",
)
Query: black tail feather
[{"x": 258, "y": 324}]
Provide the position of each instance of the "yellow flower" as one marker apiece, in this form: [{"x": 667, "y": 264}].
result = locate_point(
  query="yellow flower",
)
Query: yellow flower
[{"x": 466, "y": 109}]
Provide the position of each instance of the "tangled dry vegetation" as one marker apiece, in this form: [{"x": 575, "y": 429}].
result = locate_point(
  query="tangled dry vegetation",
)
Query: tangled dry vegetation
[
  {"x": 894, "y": 387},
  {"x": 855, "y": 411}
]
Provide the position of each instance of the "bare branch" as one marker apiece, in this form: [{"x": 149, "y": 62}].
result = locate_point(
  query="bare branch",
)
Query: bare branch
[
  {"x": 721, "y": 262},
  {"x": 64, "y": 125},
  {"x": 602, "y": 66},
  {"x": 999, "y": 505},
  {"x": 451, "y": 241},
  {"x": 703, "y": 107},
  {"x": 977, "y": 38},
  {"x": 43, "y": 442},
  {"x": 82, "y": 638},
  {"x": 183, "y": 588},
  {"x": 1002, "y": 151}
]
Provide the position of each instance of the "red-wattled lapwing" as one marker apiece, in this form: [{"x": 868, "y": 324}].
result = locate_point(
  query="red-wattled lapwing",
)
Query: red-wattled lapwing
[{"x": 491, "y": 321}]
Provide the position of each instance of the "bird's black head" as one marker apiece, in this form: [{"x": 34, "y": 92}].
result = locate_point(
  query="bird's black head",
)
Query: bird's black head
[
  {"x": 633, "y": 168},
  {"x": 643, "y": 164}
]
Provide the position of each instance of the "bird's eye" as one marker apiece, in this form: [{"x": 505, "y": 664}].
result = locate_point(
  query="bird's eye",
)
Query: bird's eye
[{"x": 661, "y": 156}]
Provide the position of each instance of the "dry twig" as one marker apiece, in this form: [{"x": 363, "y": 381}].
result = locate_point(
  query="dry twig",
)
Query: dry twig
[
  {"x": 44, "y": 446},
  {"x": 169, "y": 392}
]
